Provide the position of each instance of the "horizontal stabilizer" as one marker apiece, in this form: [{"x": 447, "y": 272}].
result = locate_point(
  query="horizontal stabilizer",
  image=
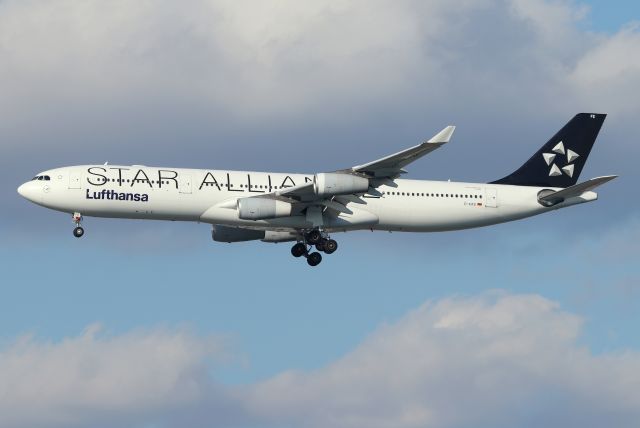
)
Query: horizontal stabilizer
[{"x": 554, "y": 198}]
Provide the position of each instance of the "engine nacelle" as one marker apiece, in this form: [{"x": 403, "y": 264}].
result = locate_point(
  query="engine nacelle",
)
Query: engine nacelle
[
  {"x": 262, "y": 208},
  {"x": 221, "y": 233},
  {"x": 276, "y": 236},
  {"x": 328, "y": 184}
]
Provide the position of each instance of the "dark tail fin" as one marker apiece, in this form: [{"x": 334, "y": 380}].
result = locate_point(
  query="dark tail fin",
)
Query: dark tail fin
[{"x": 559, "y": 162}]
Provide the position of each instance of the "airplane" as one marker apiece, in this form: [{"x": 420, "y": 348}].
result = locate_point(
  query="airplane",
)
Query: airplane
[{"x": 307, "y": 208}]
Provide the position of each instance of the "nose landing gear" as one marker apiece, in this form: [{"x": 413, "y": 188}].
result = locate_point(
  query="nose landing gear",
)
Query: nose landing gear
[
  {"x": 78, "y": 231},
  {"x": 320, "y": 240}
]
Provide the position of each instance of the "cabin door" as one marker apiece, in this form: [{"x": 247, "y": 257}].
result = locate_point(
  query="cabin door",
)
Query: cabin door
[{"x": 490, "y": 197}]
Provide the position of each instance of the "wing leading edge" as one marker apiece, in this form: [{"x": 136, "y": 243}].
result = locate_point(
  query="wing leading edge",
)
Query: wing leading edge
[
  {"x": 378, "y": 171},
  {"x": 392, "y": 166}
]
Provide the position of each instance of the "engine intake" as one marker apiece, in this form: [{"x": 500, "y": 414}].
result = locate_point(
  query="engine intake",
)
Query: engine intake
[
  {"x": 329, "y": 184},
  {"x": 262, "y": 208}
]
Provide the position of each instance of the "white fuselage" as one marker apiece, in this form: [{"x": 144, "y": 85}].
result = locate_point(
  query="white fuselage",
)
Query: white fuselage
[{"x": 198, "y": 195}]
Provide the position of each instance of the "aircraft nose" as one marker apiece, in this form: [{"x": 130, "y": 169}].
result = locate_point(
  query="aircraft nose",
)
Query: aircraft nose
[
  {"x": 22, "y": 190},
  {"x": 29, "y": 191}
]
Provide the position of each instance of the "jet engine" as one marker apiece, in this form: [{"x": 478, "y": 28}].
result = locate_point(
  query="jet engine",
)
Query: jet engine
[
  {"x": 221, "y": 233},
  {"x": 262, "y": 208},
  {"x": 276, "y": 236},
  {"x": 328, "y": 184}
]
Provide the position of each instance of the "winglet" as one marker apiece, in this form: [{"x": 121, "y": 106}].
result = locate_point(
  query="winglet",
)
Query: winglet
[{"x": 443, "y": 136}]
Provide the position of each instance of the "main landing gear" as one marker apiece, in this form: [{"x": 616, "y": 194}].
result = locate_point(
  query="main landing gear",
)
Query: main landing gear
[
  {"x": 316, "y": 238},
  {"x": 78, "y": 231}
]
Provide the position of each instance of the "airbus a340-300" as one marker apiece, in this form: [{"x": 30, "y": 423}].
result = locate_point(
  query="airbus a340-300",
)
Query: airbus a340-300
[{"x": 307, "y": 208}]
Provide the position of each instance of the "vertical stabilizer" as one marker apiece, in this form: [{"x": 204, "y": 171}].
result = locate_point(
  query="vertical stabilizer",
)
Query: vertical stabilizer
[{"x": 559, "y": 162}]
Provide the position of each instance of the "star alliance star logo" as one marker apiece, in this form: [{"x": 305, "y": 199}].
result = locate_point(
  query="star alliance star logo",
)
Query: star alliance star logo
[{"x": 559, "y": 150}]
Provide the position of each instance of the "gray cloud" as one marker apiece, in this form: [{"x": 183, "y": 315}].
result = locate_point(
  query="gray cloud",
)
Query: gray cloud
[
  {"x": 119, "y": 73},
  {"x": 203, "y": 83},
  {"x": 493, "y": 360}
]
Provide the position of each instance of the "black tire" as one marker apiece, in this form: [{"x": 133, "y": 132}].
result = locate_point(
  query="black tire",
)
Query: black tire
[
  {"x": 314, "y": 237},
  {"x": 298, "y": 249},
  {"x": 320, "y": 245},
  {"x": 314, "y": 259},
  {"x": 78, "y": 232},
  {"x": 330, "y": 246}
]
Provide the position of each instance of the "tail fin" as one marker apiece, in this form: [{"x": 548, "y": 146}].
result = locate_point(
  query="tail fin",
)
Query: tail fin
[{"x": 559, "y": 162}]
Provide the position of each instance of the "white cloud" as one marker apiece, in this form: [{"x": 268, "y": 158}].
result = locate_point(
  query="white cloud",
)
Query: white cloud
[
  {"x": 608, "y": 70},
  {"x": 491, "y": 360},
  {"x": 487, "y": 361},
  {"x": 93, "y": 377}
]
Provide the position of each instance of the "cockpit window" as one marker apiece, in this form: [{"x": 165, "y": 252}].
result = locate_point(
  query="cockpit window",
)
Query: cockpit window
[{"x": 41, "y": 177}]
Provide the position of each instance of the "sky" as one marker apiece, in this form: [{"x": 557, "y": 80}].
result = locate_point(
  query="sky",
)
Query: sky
[{"x": 152, "y": 324}]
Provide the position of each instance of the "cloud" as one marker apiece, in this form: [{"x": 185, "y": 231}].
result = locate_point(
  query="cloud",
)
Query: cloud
[
  {"x": 607, "y": 71},
  {"x": 499, "y": 360},
  {"x": 98, "y": 380},
  {"x": 493, "y": 360},
  {"x": 94, "y": 64},
  {"x": 161, "y": 82}
]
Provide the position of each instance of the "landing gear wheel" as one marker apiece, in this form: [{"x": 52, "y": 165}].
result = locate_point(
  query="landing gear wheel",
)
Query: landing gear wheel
[
  {"x": 320, "y": 245},
  {"x": 314, "y": 259},
  {"x": 330, "y": 246},
  {"x": 298, "y": 249},
  {"x": 314, "y": 237},
  {"x": 78, "y": 232}
]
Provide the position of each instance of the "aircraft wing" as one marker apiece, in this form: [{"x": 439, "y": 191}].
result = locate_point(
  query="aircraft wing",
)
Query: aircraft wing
[
  {"x": 301, "y": 192},
  {"x": 392, "y": 166},
  {"x": 378, "y": 172}
]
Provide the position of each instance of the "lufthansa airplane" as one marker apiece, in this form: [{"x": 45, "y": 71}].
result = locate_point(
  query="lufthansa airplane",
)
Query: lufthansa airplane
[{"x": 306, "y": 208}]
